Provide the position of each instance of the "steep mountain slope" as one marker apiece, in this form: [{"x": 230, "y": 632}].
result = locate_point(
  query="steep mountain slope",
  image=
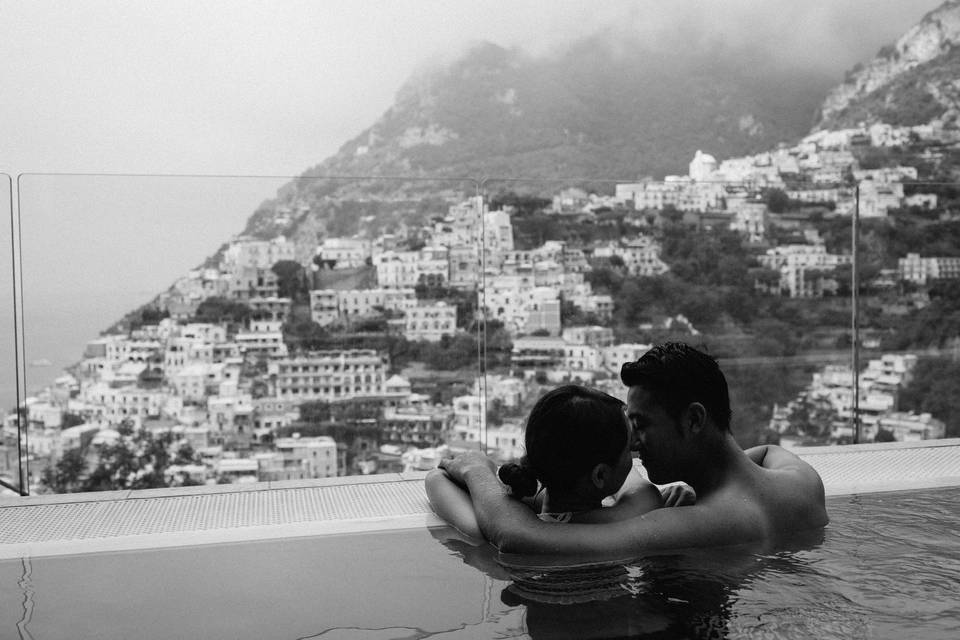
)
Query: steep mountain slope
[
  {"x": 589, "y": 113},
  {"x": 596, "y": 111},
  {"x": 914, "y": 81}
]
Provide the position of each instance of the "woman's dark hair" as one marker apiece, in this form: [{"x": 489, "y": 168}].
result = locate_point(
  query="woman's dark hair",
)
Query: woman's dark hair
[
  {"x": 677, "y": 375},
  {"x": 570, "y": 430}
]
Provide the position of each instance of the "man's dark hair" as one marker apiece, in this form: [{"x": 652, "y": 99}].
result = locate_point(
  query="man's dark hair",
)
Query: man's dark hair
[{"x": 676, "y": 375}]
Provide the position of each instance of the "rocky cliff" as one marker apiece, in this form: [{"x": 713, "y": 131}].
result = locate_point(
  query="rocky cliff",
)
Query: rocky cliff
[{"x": 913, "y": 81}]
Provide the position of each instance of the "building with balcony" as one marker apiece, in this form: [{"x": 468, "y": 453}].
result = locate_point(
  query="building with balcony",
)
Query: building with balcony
[
  {"x": 331, "y": 375},
  {"x": 430, "y": 322}
]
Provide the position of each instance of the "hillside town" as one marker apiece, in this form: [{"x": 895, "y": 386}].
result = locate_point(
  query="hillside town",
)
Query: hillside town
[{"x": 224, "y": 370}]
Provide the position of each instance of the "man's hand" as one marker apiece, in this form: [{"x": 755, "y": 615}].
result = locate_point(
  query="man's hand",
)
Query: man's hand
[
  {"x": 457, "y": 467},
  {"x": 678, "y": 495}
]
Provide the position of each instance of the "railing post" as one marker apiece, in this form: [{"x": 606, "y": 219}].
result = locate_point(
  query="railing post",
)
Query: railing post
[
  {"x": 855, "y": 311},
  {"x": 482, "y": 323}
]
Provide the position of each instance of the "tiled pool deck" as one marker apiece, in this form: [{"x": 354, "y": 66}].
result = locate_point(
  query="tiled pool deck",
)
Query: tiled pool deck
[{"x": 115, "y": 521}]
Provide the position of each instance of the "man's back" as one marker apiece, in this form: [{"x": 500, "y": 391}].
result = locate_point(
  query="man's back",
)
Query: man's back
[{"x": 787, "y": 490}]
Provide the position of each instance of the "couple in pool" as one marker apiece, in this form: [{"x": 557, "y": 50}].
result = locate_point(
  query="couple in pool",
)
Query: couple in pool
[{"x": 578, "y": 469}]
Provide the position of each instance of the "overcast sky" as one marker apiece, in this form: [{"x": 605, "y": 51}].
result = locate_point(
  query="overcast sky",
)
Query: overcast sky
[{"x": 275, "y": 87}]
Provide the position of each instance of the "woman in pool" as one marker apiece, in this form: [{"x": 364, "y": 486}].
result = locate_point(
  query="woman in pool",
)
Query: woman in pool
[{"x": 578, "y": 466}]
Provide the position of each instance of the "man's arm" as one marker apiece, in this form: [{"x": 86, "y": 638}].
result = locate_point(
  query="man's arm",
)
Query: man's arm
[{"x": 513, "y": 528}]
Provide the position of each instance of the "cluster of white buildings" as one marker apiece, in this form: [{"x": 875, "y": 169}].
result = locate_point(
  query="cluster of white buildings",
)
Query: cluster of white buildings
[
  {"x": 879, "y": 385},
  {"x": 821, "y": 169},
  {"x": 472, "y": 249}
]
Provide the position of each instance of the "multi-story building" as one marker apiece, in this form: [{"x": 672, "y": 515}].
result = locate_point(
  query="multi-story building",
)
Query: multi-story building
[
  {"x": 230, "y": 414},
  {"x": 910, "y": 427},
  {"x": 878, "y": 197},
  {"x": 536, "y": 352},
  {"x": 615, "y": 355},
  {"x": 303, "y": 458},
  {"x": 406, "y": 269},
  {"x": 505, "y": 298},
  {"x": 750, "y": 219},
  {"x": 324, "y": 306},
  {"x": 497, "y": 231},
  {"x": 914, "y": 268},
  {"x": 805, "y": 270},
  {"x": 640, "y": 255},
  {"x": 543, "y": 311},
  {"x": 469, "y": 418},
  {"x": 180, "y": 352},
  {"x": 274, "y": 308},
  {"x": 195, "y": 381},
  {"x": 113, "y": 405},
  {"x": 264, "y": 338},
  {"x": 415, "y": 426},
  {"x": 596, "y": 336},
  {"x": 430, "y": 322},
  {"x": 246, "y": 252},
  {"x": 582, "y": 357},
  {"x": 206, "y": 331},
  {"x": 246, "y": 282},
  {"x": 464, "y": 266},
  {"x": 345, "y": 253},
  {"x": 118, "y": 349},
  {"x": 331, "y": 375},
  {"x": 327, "y": 306}
]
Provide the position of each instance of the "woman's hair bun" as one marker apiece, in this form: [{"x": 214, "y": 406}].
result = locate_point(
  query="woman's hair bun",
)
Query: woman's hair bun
[{"x": 519, "y": 477}]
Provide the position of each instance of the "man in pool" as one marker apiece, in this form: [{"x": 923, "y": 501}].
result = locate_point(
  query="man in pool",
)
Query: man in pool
[{"x": 679, "y": 409}]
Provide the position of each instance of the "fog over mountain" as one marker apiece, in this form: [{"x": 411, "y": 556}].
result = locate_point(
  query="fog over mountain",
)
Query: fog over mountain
[{"x": 631, "y": 101}]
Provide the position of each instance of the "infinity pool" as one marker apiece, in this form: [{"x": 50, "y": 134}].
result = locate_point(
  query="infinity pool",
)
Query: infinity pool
[{"x": 888, "y": 566}]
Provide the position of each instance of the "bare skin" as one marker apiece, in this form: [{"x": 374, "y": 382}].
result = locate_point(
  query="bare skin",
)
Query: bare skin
[{"x": 741, "y": 496}]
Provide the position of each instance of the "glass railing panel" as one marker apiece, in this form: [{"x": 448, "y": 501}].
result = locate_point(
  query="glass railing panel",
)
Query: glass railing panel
[
  {"x": 394, "y": 282},
  {"x": 12, "y": 446},
  {"x": 550, "y": 311},
  {"x": 908, "y": 286},
  {"x": 233, "y": 326},
  {"x": 755, "y": 272},
  {"x": 398, "y": 320}
]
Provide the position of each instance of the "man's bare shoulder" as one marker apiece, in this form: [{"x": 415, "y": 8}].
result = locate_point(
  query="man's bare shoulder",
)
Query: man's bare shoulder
[
  {"x": 782, "y": 463},
  {"x": 789, "y": 490}
]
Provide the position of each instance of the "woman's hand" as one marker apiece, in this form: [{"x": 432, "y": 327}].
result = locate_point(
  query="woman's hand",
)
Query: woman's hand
[
  {"x": 457, "y": 467},
  {"x": 678, "y": 495}
]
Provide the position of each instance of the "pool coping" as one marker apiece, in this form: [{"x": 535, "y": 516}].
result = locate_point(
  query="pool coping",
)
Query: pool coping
[{"x": 67, "y": 524}]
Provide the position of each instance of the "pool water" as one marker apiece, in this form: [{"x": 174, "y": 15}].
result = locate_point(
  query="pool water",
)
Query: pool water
[{"x": 888, "y": 566}]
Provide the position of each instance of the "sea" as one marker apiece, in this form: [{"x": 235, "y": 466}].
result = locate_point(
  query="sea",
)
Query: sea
[{"x": 93, "y": 248}]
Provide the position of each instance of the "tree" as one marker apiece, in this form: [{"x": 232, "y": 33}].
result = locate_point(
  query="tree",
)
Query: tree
[
  {"x": 70, "y": 420},
  {"x": 884, "y": 435},
  {"x": 305, "y": 335},
  {"x": 291, "y": 280},
  {"x": 185, "y": 455},
  {"x": 217, "y": 310},
  {"x": 65, "y": 476},
  {"x": 935, "y": 389},
  {"x": 495, "y": 412},
  {"x": 137, "y": 460},
  {"x": 777, "y": 200},
  {"x": 812, "y": 418}
]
